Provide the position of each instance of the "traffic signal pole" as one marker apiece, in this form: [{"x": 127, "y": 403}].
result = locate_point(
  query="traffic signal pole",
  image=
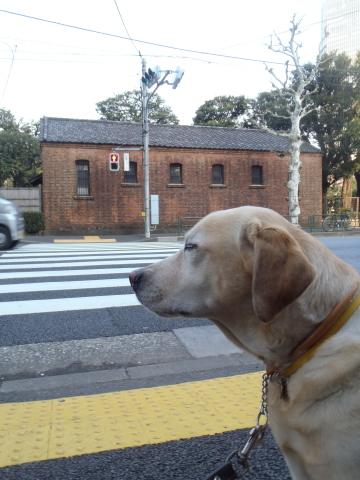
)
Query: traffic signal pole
[
  {"x": 150, "y": 78},
  {"x": 145, "y": 127}
]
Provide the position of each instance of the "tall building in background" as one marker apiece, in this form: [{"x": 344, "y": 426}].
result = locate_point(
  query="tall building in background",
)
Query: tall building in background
[{"x": 341, "y": 21}]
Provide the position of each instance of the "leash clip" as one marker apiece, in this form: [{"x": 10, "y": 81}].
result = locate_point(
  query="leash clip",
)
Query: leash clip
[{"x": 256, "y": 436}]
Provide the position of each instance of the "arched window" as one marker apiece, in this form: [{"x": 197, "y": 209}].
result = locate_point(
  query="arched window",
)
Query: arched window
[
  {"x": 257, "y": 175},
  {"x": 131, "y": 175},
  {"x": 175, "y": 173},
  {"x": 82, "y": 177},
  {"x": 217, "y": 175}
]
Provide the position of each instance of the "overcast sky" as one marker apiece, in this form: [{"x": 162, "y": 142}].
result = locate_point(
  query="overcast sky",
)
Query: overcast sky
[{"x": 61, "y": 71}]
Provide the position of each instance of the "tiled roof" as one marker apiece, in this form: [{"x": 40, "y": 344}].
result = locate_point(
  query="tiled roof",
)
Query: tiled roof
[{"x": 66, "y": 130}]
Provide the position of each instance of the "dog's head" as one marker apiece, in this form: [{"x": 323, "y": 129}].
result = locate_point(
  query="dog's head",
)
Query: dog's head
[{"x": 234, "y": 262}]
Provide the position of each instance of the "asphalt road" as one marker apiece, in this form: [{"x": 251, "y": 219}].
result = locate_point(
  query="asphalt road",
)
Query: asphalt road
[
  {"x": 81, "y": 324},
  {"x": 346, "y": 248},
  {"x": 192, "y": 459}
]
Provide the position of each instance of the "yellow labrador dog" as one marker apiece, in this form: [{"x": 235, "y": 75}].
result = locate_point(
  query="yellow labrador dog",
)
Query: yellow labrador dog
[{"x": 278, "y": 293}]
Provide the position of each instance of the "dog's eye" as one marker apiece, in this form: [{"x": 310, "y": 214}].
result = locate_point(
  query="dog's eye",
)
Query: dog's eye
[{"x": 190, "y": 246}]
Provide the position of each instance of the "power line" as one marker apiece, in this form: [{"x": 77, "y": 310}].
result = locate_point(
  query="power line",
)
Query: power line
[
  {"x": 141, "y": 41},
  {"x": 287, "y": 31},
  {"x": 75, "y": 54},
  {"x": 332, "y": 71},
  {"x": 76, "y": 61},
  {"x": 126, "y": 29},
  {"x": 109, "y": 53},
  {"x": 146, "y": 42},
  {"x": 12, "y": 63},
  {"x": 17, "y": 39}
]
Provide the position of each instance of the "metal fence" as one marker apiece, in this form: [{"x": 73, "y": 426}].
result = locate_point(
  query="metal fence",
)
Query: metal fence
[
  {"x": 328, "y": 222},
  {"x": 336, "y": 204},
  {"x": 310, "y": 223},
  {"x": 185, "y": 223}
]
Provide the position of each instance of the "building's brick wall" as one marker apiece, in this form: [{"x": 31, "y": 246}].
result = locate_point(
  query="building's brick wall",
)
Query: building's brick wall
[{"x": 114, "y": 205}]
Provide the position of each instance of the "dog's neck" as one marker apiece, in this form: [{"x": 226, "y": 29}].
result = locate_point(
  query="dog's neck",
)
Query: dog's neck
[{"x": 304, "y": 351}]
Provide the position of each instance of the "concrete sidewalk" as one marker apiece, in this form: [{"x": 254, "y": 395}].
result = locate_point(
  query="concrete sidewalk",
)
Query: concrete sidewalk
[
  {"x": 162, "y": 237},
  {"x": 118, "y": 363}
]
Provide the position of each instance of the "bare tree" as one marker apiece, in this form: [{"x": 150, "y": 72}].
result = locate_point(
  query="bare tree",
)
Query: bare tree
[{"x": 294, "y": 89}]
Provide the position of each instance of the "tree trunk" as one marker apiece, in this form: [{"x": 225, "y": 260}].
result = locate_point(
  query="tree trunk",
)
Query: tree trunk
[
  {"x": 295, "y": 93},
  {"x": 295, "y": 164},
  {"x": 357, "y": 178},
  {"x": 346, "y": 193}
]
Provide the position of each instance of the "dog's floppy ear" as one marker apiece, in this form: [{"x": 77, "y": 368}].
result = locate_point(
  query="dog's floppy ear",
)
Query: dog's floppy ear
[{"x": 281, "y": 271}]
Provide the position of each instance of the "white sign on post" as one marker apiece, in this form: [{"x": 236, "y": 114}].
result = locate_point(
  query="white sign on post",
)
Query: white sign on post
[
  {"x": 126, "y": 162},
  {"x": 154, "y": 201}
]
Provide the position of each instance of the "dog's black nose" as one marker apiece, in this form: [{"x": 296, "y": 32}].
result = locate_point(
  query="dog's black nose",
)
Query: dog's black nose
[{"x": 134, "y": 278}]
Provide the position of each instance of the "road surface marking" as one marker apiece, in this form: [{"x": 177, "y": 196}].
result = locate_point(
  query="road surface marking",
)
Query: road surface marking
[
  {"x": 86, "y": 240},
  {"x": 65, "y": 427},
  {"x": 67, "y": 304}
]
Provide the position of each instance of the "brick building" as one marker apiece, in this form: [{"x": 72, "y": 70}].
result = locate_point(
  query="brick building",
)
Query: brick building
[{"x": 194, "y": 170}]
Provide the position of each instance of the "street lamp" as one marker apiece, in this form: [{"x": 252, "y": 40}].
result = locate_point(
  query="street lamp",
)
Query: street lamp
[{"x": 149, "y": 78}]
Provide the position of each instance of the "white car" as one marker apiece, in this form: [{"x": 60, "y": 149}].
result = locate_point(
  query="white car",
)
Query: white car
[{"x": 11, "y": 224}]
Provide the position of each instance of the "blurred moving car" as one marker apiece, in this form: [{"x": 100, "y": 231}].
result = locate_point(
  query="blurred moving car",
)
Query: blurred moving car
[{"x": 11, "y": 224}]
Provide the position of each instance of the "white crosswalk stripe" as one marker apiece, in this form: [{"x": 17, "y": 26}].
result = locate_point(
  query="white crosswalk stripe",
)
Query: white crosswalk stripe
[
  {"x": 45, "y": 261},
  {"x": 64, "y": 305},
  {"x": 91, "y": 263},
  {"x": 33, "y": 258},
  {"x": 53, "y": 286},
  {"x": 64, "y": 273}
]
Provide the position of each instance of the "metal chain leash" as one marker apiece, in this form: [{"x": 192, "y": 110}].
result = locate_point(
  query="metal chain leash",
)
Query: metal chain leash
[
  {"x": 264, "y": 405},
  {"x": 256, "y": 436}
]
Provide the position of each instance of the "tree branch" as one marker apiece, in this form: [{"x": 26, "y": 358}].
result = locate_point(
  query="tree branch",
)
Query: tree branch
[{"x": 284, "y": 86}]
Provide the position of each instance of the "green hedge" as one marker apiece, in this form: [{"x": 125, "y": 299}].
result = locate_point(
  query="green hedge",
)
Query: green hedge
[{"x": 34, "y": 221}]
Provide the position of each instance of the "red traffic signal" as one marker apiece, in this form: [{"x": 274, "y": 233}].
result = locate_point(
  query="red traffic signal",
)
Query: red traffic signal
[{"x": 114, "y": 161}]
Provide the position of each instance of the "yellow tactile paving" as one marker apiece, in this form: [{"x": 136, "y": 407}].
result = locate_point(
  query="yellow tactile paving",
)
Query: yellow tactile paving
[
  {"x": 65, "y": 427},
  {"x": 86, "y": 240}
]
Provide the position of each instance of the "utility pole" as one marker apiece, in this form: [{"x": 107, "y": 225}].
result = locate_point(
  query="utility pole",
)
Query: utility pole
[
  {"x": 148, "y": 79},
  {"x": 145, "y": 135}
]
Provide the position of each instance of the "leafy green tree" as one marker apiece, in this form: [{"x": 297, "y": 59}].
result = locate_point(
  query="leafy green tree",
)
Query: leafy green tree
[
  {"x": 356, "y": 124},
  {"x": 333, "y": 96},
  {"x": 7, "y": 120},
  {"x": 32, "y": 128},
  {"x": 19, "y": 151},
  {"x": 268, "y": 108},
  {"x": 127, "y": 107},
  {"x": 334, "y": 122},
  {"x": 222, "y": 111}
]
